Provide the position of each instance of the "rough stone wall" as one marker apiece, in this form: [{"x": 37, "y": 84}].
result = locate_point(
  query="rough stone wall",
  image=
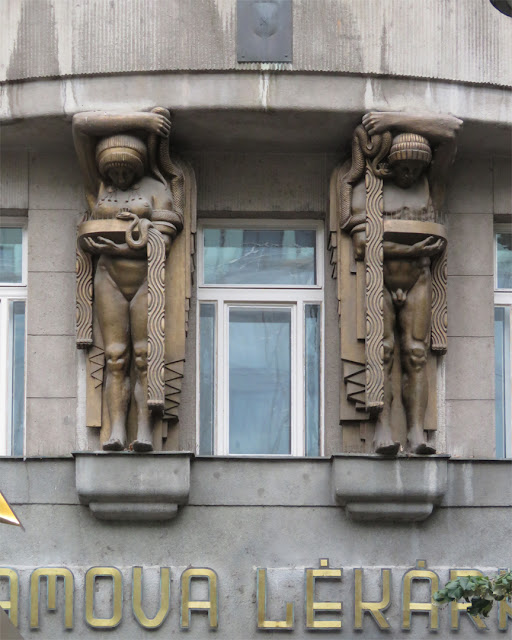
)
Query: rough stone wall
[{"x": 466, "y": 41}]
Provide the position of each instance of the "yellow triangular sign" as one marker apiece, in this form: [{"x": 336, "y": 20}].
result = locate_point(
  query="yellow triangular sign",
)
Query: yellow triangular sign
[{"x": 6, "y": 513}]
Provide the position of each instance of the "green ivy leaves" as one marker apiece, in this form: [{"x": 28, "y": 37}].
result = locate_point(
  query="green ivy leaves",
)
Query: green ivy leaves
[{"x": 480, "y": 591}]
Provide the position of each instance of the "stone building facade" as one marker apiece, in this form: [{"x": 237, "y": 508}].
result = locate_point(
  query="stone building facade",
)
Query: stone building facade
[{"x": 263, "y": 139}]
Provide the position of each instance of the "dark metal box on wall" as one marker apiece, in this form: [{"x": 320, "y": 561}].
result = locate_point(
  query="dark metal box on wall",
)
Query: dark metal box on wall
[{"x": 264, "y": 31}]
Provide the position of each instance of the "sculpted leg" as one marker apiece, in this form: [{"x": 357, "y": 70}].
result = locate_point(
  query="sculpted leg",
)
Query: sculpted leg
[
  {"x": 414, "y": 321},
  {"x": 112, "y": 309},
  {"x": 139, "y": 326},
  {"x": 383, "y": 438}
]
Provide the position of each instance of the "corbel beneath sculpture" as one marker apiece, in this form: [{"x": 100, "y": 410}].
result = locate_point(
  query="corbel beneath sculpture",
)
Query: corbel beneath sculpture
[
  {"x": 388, "y": 250},
  {"x": 134, "y": 274}
]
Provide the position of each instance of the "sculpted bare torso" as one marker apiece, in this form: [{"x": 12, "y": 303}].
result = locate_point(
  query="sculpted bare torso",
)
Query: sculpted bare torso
[{"x": 411, "y": 204}]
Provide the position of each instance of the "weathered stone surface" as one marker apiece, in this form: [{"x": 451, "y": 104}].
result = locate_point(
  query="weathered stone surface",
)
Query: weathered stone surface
[
  {"x": 14, "y": 179},
  {"x": 470, "y": 369},
  {"x": 470, "y": 306},
  {"x": 373, "y": 488},
  {"x": 470, "y": 428},
  {"x": 130, "y": 486},
  {"x": 50, "y": 426},
  {"x": 470, "y": 244},
  {"x": 52, "y": 240},
  {"x": 470, "y": 186},
  {"x": 51, "y": 38},
  {"x": 52, "y": 303},
  {"x": 51, "y": 367}
]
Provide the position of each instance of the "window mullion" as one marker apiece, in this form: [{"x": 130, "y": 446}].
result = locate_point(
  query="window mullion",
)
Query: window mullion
[{"x": 298, "y": 418}]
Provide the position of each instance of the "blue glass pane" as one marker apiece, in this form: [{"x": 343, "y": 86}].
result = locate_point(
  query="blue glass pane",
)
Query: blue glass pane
[
  {"x": 244, "y": 256},
  {"x": 11, "y": 255},
  {"x": 504, "y": 260},
  {"x": 312, "y": 378},
  {"x": 17, "y": 350},
  {"x": 259, "y": 380},
  {"x": 207, "y": 378}
]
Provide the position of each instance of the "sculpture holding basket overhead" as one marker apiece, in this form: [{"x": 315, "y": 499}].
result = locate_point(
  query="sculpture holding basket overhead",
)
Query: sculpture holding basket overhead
[
  {"x": 388, "y": 241},
  {"x": 134, "y": 267}
]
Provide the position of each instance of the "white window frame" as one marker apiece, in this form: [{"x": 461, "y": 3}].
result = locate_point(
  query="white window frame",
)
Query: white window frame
[
  {"x": 11, "y": 292},
  {"x": 293, "y": 297},
  {"x": 503, "y": 298}
]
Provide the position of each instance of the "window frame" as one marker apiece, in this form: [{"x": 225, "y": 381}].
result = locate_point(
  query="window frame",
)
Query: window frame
[
  {"x": 12, "y": 292},
  {"x": 503, "y": 298},
  {"x": 295, "y": 297}
]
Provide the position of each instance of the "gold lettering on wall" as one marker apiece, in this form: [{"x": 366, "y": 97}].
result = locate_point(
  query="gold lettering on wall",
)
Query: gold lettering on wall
[
  {"x": 51, "y": 574},
  {"x": 263, "y": 623},
  {"x": 374, "y": 608},
  {"x": 504, "y": 611},
  {"x": 117, "y": 597},
  {"x": 165, "y": 598},
  {"x": 420, "y": 573},
  {"x": 457, "y": 607},
  {"x": 312, "y": 575},
  {"x": 188, "y": 605},
  {"x": 11, "y": 605}
]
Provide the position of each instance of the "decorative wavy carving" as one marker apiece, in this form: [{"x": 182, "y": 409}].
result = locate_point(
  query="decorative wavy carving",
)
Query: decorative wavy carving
[
  {"x": 84, "y": 293},
  {"x": 439, "y": 331},
  {"x": 156, "y": 320},
  {"x": 374, "y": 258}
]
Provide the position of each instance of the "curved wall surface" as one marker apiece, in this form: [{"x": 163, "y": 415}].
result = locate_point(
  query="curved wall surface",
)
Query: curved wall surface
[{"x": 467, "y": 41}]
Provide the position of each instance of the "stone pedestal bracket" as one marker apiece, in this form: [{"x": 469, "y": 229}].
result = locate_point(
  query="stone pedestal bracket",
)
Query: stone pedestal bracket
[
  {"x": 131, "y": 486},
  {"x": 403, "y": 489}
]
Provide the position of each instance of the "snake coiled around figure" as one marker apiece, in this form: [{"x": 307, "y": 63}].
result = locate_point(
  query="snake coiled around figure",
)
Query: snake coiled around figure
[
  {"x": 364, "y": 147},
  {"x": 140, "y": 225}
]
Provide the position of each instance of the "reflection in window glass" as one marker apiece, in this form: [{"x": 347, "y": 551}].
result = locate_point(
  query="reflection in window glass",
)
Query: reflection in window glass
[
  {"x": 255, "y": 256},
  {"x": 17, "y": 371},
  {"x": 11, "y": 255},
  {"x": 207, "y": 379},
  {"x": 502, "y": 379},
  {"x": 504, "y": 260},
  {"x": 259, "y": 380},
  {"x": 312, "y": 378}
]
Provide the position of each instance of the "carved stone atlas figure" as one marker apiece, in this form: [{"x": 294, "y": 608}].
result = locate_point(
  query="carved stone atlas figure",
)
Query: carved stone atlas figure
[
  {"x": 390, "y": 198},
  {"x": 136, "y": 199}
]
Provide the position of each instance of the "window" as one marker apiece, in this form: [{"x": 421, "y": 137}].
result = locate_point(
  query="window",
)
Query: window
[
  {"x": 502, "y": 339},
  {"x": 260, "y": 294},
  {"x": 13, "y": 294}
]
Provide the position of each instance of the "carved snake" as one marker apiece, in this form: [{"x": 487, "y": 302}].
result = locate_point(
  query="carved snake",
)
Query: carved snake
[
  {"x": 363, "y": 147},
  {"x": 143, "y": 225}
]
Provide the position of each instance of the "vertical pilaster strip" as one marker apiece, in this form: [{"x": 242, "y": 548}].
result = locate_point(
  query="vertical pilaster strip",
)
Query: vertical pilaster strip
[
  {"x": 374, "y": 268},
  {"x": 439, "y": 332},
  {"x": 156, "y": 320},
  {"x": 84, "y": 293}
]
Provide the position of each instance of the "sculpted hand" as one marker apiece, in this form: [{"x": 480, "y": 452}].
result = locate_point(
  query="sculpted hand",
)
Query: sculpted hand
[
  {"x": 428, "y": 247},
  {"x": 159, "y": 124},
  {"x": 105, "y": 245},
  {"x": 378, "y": 121}
]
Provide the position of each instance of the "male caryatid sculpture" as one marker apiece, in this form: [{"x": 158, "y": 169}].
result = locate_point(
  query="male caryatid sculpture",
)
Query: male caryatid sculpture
[
  {"x": 389, "y": 248},
  {"x": 134, "y": 265}
]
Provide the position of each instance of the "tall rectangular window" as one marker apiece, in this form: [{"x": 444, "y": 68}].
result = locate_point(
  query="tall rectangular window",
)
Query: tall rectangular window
[
  {"x": 502, "y": 339},
  {"x": 260, "y": 293},
  {"x": 13, "y": 294}
]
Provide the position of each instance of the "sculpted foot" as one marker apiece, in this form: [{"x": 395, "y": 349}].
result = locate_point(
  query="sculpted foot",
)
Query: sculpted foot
[
  {"x": 113, "y": 444},
  {"x": 424, "y": 449},
  {"x": 141, "y": 445},
  {"x": 418, "y": 444},
  {"x": 387, "y": 448}
]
